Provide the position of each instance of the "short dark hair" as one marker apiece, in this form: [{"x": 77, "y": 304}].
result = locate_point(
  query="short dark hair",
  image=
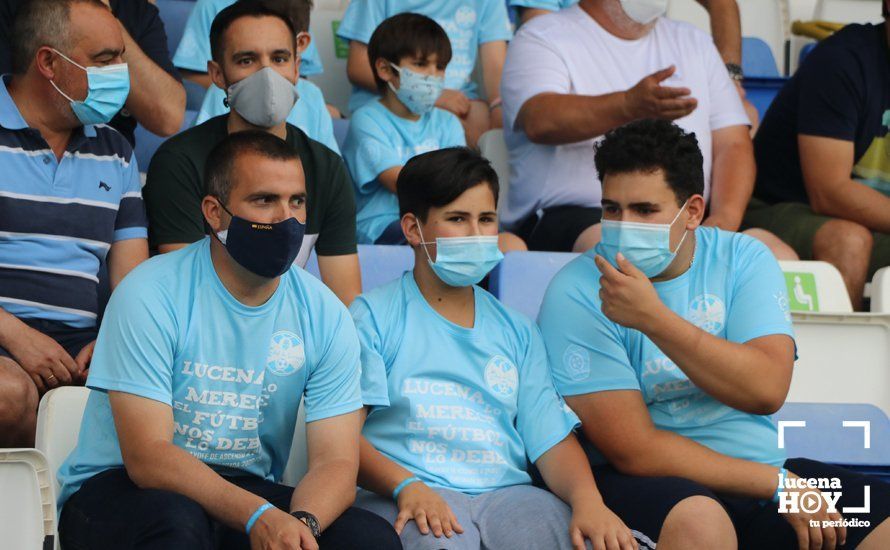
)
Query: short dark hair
[
  {"x": 436, "y": 178},
  {"x": 408, "y": 35},
  {"x": 297, "y": 10},
  {"x": 650, "y": 145},
  {"x": 39, "y": 23},
  {"x": 244, "y": 8},
  {"x": 221, "y": 161}
]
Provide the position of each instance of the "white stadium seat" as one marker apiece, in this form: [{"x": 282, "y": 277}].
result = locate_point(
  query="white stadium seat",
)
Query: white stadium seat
[
  {"x": 27, "y": 500},
  {"x": 493, "y": 147},
  {"x": 880, "y": 291},
  {"x": 815, "y": 287},
  {"x": 333, "y": 81},
  {"x": 58, "y": 424}
]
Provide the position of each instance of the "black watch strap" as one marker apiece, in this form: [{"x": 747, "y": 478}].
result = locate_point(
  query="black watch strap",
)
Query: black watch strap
[
  {"x": 310, "y": 520},
  {"x": 735, "y": 71}
]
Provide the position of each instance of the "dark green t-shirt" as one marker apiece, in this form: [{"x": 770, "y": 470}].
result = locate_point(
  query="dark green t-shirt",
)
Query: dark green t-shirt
[{"x": 174, "y": 190}]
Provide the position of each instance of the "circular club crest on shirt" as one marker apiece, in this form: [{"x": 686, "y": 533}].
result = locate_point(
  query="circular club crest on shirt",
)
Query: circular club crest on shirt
[
  {"x": 286, "y": 353},
  {"x": 708, "y": 313},
  {"x": 465, "y": 17},
  {"x": 577, "y": 362},
  {"x": 501, "y": 376}
]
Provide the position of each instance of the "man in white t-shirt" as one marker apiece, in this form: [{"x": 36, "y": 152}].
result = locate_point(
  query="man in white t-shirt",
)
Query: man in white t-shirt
[{"x": 573, "y": 75}]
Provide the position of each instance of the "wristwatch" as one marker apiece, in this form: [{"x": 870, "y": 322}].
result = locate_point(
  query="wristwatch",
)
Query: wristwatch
[
  {"x": 310, "y": 520},
  {"x": 735, "y": 71}
]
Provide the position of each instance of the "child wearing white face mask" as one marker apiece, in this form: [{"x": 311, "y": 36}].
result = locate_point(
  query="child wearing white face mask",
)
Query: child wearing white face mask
[
  {"x": 470, "y": 396},
  {"x": 409, "y": 53}
]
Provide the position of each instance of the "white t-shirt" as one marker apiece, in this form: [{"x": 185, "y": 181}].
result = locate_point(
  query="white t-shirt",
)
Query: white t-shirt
[{"x": 568, "y": 52}]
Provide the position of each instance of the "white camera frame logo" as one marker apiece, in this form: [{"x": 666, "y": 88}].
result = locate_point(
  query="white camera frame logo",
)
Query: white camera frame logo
[{"x": 811, "y": 501}]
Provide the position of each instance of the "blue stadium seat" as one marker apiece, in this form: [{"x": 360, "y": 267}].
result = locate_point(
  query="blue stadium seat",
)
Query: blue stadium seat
[
  {"x": 761, "y": 91},
  {"x": 380, "y": 264},
  {"x": 805, "y": 51},
  {"x": 147, "y": 143},
  {"x": 826, "y": 439},
  {"x": 757, "y": 58},
  {"x": 194, "y": 95},
  {"x": 522, "y": 278},
  {"x": 174, "y": 14},
  {"x": 341, "y": 128}
]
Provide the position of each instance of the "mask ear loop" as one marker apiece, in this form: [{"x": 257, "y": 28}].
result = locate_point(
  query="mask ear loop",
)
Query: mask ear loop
[
  {"x": 424, "y": 243},
  {"x": 685, "y": 231},
  {"x": 76, "y": 64}
]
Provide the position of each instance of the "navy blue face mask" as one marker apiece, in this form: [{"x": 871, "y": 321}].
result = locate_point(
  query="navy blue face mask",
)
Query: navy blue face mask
[{"x": 265, "y": 249}]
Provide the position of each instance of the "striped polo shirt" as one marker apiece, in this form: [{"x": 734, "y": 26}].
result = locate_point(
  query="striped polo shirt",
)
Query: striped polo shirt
[{"x": 58, "y": 218}]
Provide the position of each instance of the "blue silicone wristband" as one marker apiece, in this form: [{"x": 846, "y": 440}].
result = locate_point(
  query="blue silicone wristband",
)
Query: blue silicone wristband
[
  {"x": 402, "y": 485},
  {"x": 782, "y": 473},
  {"x": 256, "y": 515}
]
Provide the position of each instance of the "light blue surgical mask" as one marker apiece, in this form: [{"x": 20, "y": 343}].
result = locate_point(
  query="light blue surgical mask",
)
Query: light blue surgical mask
[
  {"x": 107, "y": 90},
  {"x": 646, "y": 245},
  {"x": 419, "y": 92},
  {"x": 463, "y": 261}
]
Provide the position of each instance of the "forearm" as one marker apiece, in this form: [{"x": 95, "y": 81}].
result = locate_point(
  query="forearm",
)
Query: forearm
[
  {"x": 856, "y": 202},
  {"x": 376, "y": 472},
  {"x": 10, "y": 327},
  {"x": 556, "y": 119},
  {"x": 745, "y": 378},
  {"x": 123, "y": 257},
  {"x": 732, "y": 183},
  {"x": 493, "y": 55},
  {"x": 156, "y": 99},
  {"x": 566, "y": 471},
  {"x": 726, "y": 28},
  {"x": 358, "y": 67},
  {"x": 670, "y": 454},
  {"x": 326, "y": 491},
  {"x": 167, "y": 467},
  {"x": 199, "y": 78}
]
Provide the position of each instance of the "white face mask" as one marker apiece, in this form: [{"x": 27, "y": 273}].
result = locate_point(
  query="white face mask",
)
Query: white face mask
[{"x": 644, "y": 11}]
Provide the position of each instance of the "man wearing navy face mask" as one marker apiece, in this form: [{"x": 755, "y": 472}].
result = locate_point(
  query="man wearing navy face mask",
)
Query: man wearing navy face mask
[
  {"x": 199, "y": 369},
  {"x": 69, "y": 200},
  {"x": 673, "y": 343}
]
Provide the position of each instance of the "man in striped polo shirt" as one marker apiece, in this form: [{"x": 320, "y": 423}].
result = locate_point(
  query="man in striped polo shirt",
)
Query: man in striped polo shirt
[{"x": 69, "y": 199}]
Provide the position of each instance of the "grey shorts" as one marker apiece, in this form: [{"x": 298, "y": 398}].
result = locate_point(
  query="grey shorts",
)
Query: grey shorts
[{"x": 513, "y": 517}]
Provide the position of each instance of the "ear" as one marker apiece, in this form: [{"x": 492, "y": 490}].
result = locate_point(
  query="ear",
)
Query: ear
[
  {"x": 411, "y": 229},
  {"x": 216, "y": 75},
  {"x": 385, "y": 71},
  {"x": 695, "y": 209},
  {"x": 46, "y": 61},
  {"x": 213, "y": 213},
  {"x": 303, "y": 41}
]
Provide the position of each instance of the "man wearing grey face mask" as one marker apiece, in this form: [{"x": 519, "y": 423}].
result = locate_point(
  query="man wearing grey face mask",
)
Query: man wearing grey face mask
[{"x": 255, "y": 61}]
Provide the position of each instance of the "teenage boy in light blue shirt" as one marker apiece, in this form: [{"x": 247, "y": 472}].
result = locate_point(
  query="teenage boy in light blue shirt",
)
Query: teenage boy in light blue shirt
[
  {"x": 309, "y": 113},
  {"x": 410, "y": 53},
  {"x": 673, "y": 343},
  {"x": 475, "y": 28},
  {"x": 471, "y": 400},
  {"x": 201, "y": 362}
]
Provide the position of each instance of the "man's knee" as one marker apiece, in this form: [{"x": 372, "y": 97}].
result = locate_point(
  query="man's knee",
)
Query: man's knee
[
  {"x": 843, "y": 238},
  {"x": 358, "y": 528},
  {"x": 777, "y": 246},
  {"x": 588, "y": 238},
  {"x": 700, "y": 522},
  {"x": 18, "y": 394}
]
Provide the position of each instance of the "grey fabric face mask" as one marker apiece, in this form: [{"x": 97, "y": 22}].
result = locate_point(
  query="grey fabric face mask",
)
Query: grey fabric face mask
[{"x": 264, "y": 98}]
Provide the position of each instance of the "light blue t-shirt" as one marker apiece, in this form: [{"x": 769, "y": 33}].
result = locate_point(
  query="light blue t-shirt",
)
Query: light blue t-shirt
[
  {"x": 193, "y": 51},
  {"x": 310, "y": 114},
  {"x": 467, "y": 406},
  {"x": 379, "y": 140},
  {"x": 232, "y": 374},
  {"x": 551, "y": 5},
  {"x": 468, "y": 23},
  {"x": 734, "y": 290}
]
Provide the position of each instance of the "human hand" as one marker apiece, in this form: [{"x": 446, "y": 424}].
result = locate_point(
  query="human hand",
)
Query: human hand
[{"x": 419, "y": 502}]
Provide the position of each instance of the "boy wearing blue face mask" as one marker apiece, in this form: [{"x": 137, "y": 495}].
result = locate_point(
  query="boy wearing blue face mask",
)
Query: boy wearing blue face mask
[
  {"x": 470, "y": 396},
  {"x": 409, "y": 53},
  {"x": 674, "y": 343}
]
